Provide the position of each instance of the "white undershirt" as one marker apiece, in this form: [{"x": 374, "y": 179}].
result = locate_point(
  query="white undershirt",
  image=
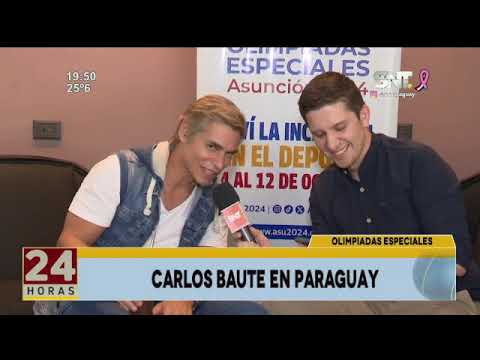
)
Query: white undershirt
[
  {"x": 99, "y": 196},
  {"x": 171, "y": 222}
]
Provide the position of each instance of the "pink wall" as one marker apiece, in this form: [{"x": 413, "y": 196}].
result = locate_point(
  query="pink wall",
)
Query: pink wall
[
  {"x": 446, "y": 116},
  {"x": 140, "y": 91},
  {"x": 135, "y": 100}
]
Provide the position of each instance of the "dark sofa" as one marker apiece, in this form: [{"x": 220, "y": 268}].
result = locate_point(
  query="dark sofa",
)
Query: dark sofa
[{"x": 35, "y": 193}]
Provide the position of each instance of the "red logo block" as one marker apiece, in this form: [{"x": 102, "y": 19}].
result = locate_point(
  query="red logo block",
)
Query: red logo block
[
  {"x": 235, "y": 217},
  {"x": 49, "y": 273}
]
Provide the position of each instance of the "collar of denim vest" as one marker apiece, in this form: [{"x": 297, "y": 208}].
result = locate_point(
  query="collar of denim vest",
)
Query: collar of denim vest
[{"x": 160, "y": 156}]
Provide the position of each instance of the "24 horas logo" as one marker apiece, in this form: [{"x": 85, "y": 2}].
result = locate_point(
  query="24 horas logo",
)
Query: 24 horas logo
[{"x": 50, "y": 273}]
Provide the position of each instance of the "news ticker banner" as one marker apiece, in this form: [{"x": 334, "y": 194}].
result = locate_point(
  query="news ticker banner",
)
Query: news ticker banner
[
  {"x": 346, "y": 267},
  {"x": 278, "y": 154}
]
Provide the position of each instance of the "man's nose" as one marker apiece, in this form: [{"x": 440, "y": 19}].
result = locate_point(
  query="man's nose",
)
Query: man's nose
[{"x": 332, "y": 143}]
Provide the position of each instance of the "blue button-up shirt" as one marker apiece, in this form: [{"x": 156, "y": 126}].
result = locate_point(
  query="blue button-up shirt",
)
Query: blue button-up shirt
[{"x": 404, "y": 188}]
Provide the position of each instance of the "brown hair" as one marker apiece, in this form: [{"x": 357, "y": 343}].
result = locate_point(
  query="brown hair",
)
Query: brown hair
[
  {"x": 208, "y": 109},
  {"x": 327, "y": 89}
]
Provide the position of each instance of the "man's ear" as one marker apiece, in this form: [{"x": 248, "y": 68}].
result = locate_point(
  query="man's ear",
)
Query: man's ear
[
  {"x": 365, "y": 115},
  {"x": 183, "y": 129}
]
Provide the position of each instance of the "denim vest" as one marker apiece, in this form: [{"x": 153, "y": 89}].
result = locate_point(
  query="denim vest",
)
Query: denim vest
[{"x": 138, "y": 213}]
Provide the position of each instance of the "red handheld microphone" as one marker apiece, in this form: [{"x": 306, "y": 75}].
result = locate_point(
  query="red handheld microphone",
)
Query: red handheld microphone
[{"x": 228, "y": 201}]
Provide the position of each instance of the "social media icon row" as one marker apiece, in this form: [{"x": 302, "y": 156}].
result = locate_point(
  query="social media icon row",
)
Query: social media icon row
[{"x": 288, "y": 209}]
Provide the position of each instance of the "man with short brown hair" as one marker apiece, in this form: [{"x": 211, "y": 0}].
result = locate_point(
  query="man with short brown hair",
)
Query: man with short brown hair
[{"x": 378, "y": 184}]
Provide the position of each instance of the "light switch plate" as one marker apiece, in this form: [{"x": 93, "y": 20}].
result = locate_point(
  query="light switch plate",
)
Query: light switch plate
[{"x": 47, "y": 130}]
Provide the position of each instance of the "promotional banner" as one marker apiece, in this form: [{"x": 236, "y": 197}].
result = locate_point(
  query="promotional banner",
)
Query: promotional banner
[
  {"x": 277, "y": 162},
  {"x": 344, "y": 267}
]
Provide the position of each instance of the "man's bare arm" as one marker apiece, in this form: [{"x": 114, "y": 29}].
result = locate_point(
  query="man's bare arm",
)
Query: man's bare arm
[{"x": 78, "y": 232}]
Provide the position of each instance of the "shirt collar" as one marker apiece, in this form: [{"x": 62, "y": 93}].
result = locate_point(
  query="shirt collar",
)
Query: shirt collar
[
  {"x": 368, "y": 162},
  {"x": 160, "y": 155}
]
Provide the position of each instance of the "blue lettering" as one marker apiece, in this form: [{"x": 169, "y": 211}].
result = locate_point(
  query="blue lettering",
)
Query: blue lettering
[
  {"x": 279, "y": 66},
  {"x": 349, "y": 50},
  {"x": 366, "y": 70},
  {"x": 232, "y": 62},
  {"x": 250, "y": 127},
  {"x": 307, "y": 64},
  {"x": 274, "y": 132},
  {"x": 262, "y": 132},
  {"x": 306, "y": 130},
  {"x": 365, "y": 52},
  {"x": 247, "y": 68},
  {"x": 317, "y": 67},
  {"x": 262, "y": 64},
  {"x": 347, "y": 66},
  {"x": 289, "y": 66},
  {"x": 331, "y": 52},
  {"x": 296, "y": 131},
  {"x": 235, "y": 50}
]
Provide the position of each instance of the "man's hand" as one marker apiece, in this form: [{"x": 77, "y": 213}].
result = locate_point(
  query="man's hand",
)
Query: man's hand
[
  {"x": 461, "y": 271},
  {"x": 173, "y": 308},
  {"x": 131, "y": 306},
  {"x": 260, "y": 239}
]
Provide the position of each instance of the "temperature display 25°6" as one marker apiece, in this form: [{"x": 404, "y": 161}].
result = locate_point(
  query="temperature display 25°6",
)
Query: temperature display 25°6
[{"x": 78, "y": 88}]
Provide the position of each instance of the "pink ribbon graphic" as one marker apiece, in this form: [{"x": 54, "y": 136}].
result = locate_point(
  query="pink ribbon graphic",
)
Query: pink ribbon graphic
[{"x": 424, "y": 75}]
